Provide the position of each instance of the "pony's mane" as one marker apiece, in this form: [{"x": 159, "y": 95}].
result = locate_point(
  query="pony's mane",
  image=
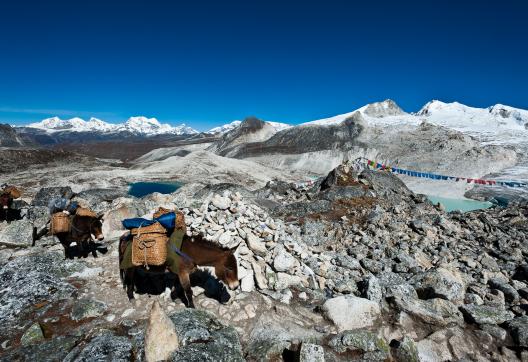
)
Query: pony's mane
[{"x": 203, "y": 242}]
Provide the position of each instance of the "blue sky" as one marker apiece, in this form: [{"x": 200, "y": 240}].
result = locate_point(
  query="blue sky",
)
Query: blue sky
[{"x": 206, "y": 63}]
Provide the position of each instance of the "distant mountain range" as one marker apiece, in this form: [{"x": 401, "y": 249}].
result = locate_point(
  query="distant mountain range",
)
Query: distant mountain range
[
  {"x": 134, "y": 125},
  {"x": 454, "y": 115}
]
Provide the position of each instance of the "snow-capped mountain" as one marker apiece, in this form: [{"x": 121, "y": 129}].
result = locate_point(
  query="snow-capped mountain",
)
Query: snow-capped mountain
[
  {"x": 225, "y": 128},
  {"x": 460, "y": 116},
  {"x": 141, "y": 126},
  {"x": 497, "y": 118},
  {"x": 235, "y": 124}
]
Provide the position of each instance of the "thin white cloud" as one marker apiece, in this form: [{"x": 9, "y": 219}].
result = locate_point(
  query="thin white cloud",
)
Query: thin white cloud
[{"x": 57, "y": 112}]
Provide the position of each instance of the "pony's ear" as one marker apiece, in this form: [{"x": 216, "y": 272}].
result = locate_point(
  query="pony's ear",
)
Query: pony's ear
[
  {"x": 233, "y": 249},
  {"x": 100, "y": 216}
]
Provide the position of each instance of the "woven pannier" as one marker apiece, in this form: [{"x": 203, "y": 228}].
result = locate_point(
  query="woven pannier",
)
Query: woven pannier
[
  {"x": 13, "y": 192},
  {"x": 83, "y": 211},
  {"x": 60, "y": 223},
  {"x": 149, "y": 245},
  {"x": 161, "y": 211}
]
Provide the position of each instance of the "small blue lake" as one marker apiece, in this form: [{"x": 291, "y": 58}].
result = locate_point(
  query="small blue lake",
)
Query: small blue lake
[
  {"x": 463, "y": 205},
  {"x": 140, "y": 189}
]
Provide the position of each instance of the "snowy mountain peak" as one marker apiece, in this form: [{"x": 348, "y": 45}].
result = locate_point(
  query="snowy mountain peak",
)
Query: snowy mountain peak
[
  {"x": 383, "y": 109},
  {"x": 55, "y": 123},
  {"x": 137, "y": 125},
  {"x": 224, "y": 128},
  {"x": 235, "y": 124}
]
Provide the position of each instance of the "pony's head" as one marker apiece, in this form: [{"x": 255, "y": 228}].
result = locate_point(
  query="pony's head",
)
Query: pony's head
[
  {"x": 5, "y": 201},
  {"x": 228, "y": 270},
  {"x": 96, "y": 227}
]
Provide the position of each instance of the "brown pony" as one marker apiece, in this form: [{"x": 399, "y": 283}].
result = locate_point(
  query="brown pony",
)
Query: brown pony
[
  {"x": 6, "y": 212},
  {"x": 82, "y": 231},
  {"x": 196, "y": 251}
]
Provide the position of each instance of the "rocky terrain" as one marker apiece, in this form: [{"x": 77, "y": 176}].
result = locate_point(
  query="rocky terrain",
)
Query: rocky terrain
[{"x": 354, "y": 267}]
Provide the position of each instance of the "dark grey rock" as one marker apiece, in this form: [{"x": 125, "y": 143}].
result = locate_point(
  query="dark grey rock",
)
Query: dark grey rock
[
  {"x": 518, "y": 329},
  {"x": 407, "y": 351},
  {"x": 29, "y": 279},
  {"x": 510, "y": 294},
  {"x": 52, "y": 350},
  {"x": 372, "y": 266},
  {"x": 367, "y": 344},
  {"x": 18, "y": 233},
  {"x": 43, "y": 197},
  {"x": 435, "y": 311},
  {"x": 485, "y": 314},
  {"x": 521, "y": 273},
  {"x": 373, "y": 289},
  {"x": 32, "y": 335},
  {"x": 342, "y": 192},
  {"x": 440, "y": 282},
  {"x": 96, "y": 196},
  {"x": 204, "y": 338},
  {"x": 86, "y": 308},
  {"x": 105, "y": 347}
]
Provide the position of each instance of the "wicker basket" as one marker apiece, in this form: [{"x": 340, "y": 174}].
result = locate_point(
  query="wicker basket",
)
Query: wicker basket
[
  {"x": 180, "y": 221},
  {"x": 155, "y": 228},
  {"x": 83, "y": 211},
  {"x": 13, "y": 192},
  {"x": 149, "y": 249},
  {"x": 161, "y": 211},
  {"x": 60, "y": 223}
]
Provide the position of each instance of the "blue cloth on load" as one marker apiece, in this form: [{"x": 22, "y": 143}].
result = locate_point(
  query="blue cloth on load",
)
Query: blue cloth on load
[{"x": 167, "y": 221}]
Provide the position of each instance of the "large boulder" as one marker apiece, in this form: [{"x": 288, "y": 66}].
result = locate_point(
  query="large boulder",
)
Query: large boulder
[
  {"x": 204, "y": 338},
  {"x": 105, "y": 347},
  {"x": 39, "y": 216},
  {"x": 363, "y": 343},
  {"x": 46, "y": 194},
  {"x": 283, "y": 261},
  {"x": 485, "y": 314},
  {"x": 17, "y": 233},
  {"x": 441, "y": 283},
  {"x": 87, "y": 308},
  {"x": 94, "y": 197},
  {"x": 439, "y": 312},
  {"x": 31, "y": 279},
  {"x": 51, "y": 350},
  {"x": 350, "y": 312},
  {"x": 518, "y": 328},
  {"x": 121, "y": 208},
  {"x": 161, "y": 339}
]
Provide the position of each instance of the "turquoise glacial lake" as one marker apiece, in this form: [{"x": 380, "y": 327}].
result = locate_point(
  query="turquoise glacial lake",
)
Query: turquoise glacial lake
[
  {"x": 140, "y": 189},
  {"x": 463, "y": 205}
]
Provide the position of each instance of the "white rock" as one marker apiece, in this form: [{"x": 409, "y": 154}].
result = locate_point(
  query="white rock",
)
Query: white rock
[
  {"x": 350, "y": 312},
  {"x": 259, "y": 276},
  {"x": 311, "y": 353},
  {"x": 284, "y": 281},
  {"x": 284, "y": 261},
  {"x": 127, "y": 312},
  {"x": 255, "y": 244},
  {"x": 161, "y": 339},
  {"x": 225, "y": 238},
  {"x": 247, "y": 284},
  {"x": 220, "y": 202}
]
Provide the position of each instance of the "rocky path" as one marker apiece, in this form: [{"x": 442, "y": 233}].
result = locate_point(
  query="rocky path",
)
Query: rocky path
[{"x": 357, "y": 267}]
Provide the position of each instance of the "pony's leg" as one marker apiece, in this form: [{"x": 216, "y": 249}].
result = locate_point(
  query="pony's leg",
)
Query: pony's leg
[
  {"x": 185, "y": 282},
  {"x": 129, "y": 280},
  {"x": 91, "y": 247}
]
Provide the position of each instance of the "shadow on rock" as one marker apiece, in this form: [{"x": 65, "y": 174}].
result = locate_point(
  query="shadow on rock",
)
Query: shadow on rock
[
  {"x": 156, "y": 283},
  {"x": 75, "y": 251}
]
